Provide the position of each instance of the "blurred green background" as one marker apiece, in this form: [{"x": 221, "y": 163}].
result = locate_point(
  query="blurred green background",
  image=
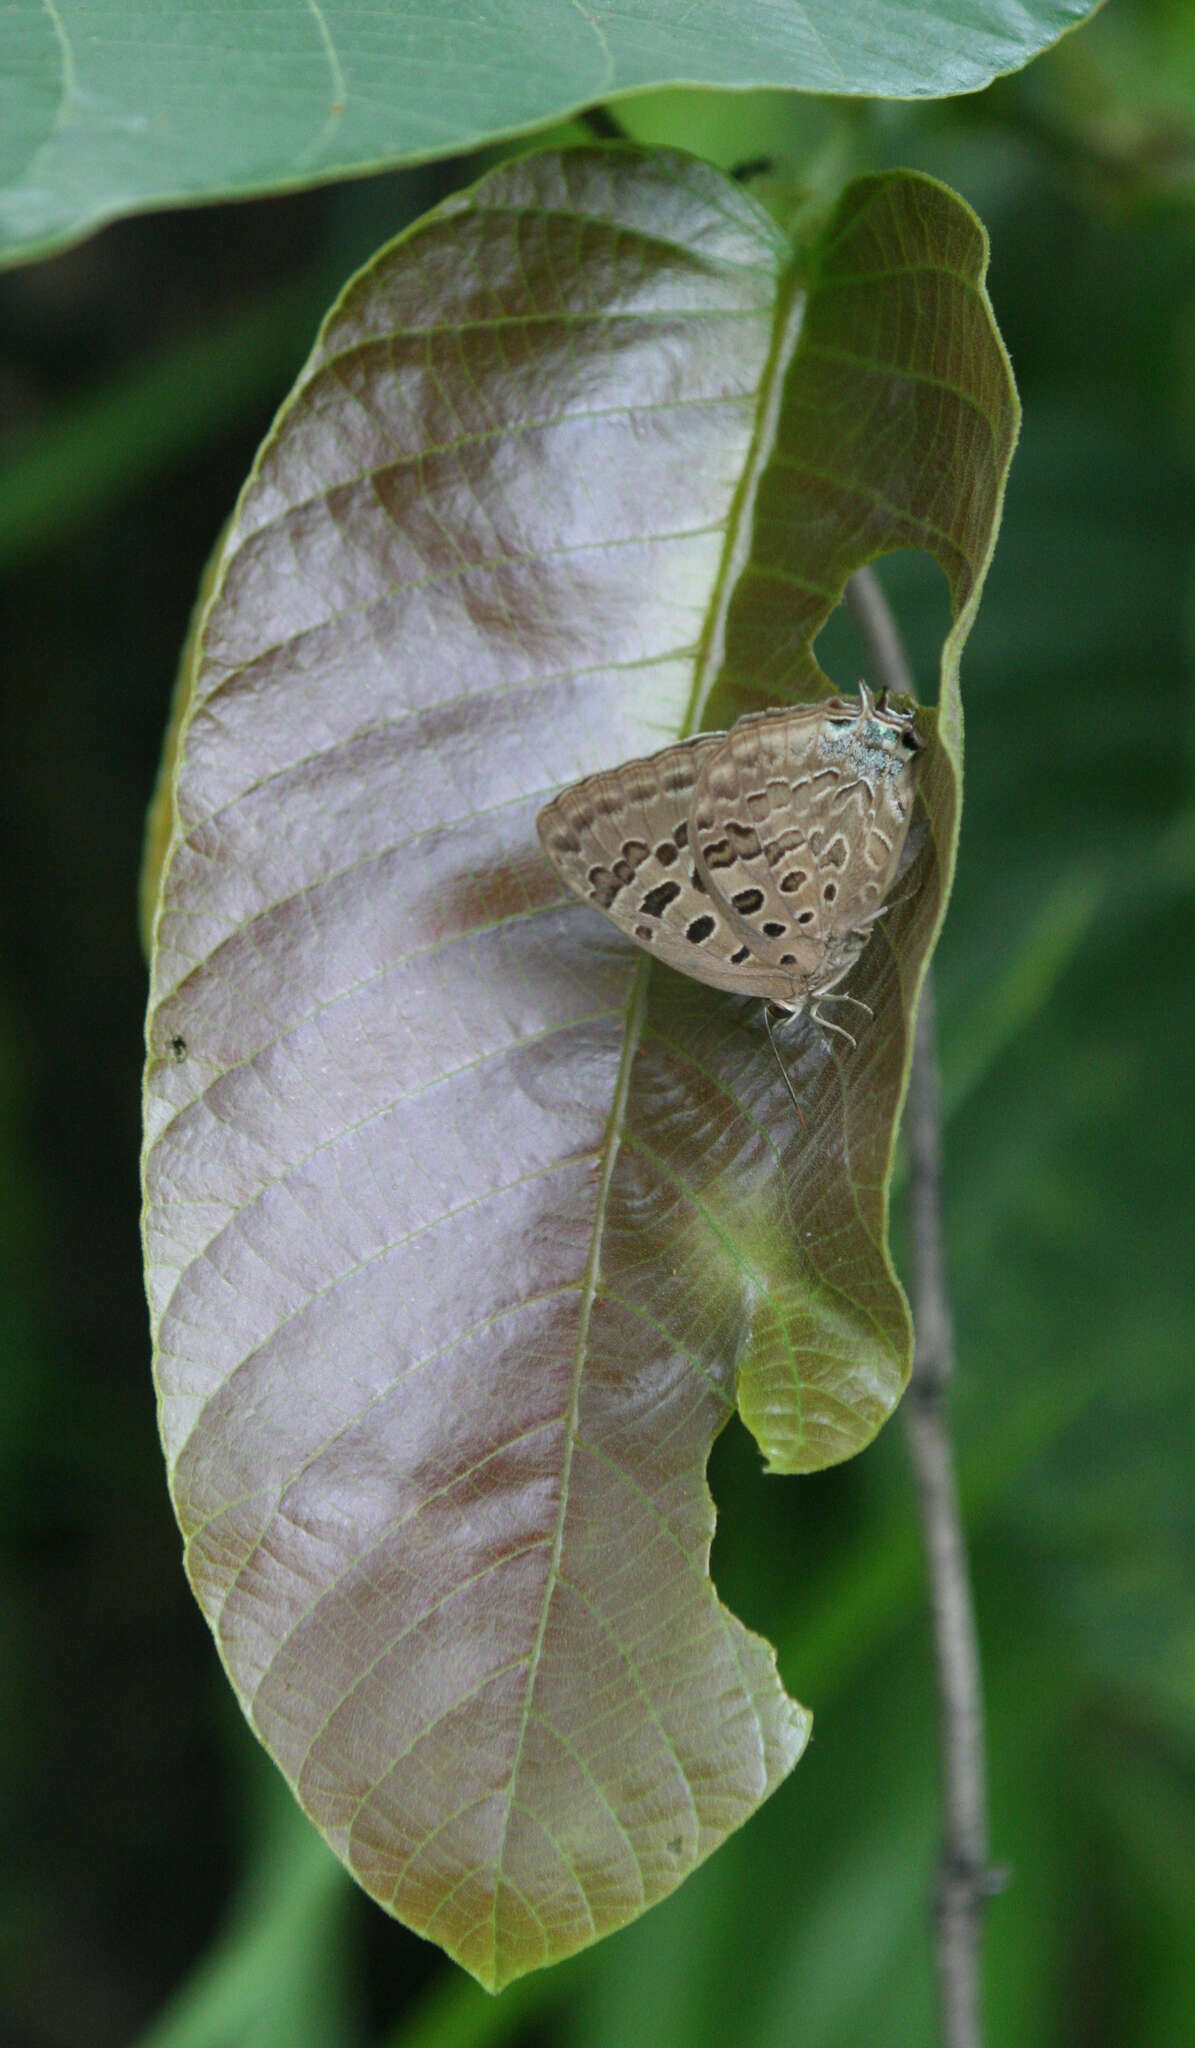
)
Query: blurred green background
[{"x": 158, "y": 1886}]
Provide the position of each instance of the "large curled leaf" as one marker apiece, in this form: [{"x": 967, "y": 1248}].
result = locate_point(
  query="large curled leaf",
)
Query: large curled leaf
[
  {"x": 118, "y": 105},
  {"x": 461, "y": 1219}
]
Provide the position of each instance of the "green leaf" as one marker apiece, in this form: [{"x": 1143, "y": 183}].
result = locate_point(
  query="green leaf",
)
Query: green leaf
[
  {"x": 118, "y": 105},
  {"x": 463, "y": 1225}
]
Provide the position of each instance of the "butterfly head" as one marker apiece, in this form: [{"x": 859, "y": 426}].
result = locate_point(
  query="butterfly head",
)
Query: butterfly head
[{"x": 869, "y": 734}]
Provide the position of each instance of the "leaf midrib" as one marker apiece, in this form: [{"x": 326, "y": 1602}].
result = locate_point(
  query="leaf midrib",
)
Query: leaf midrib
[{"x": 790, "y": 308}]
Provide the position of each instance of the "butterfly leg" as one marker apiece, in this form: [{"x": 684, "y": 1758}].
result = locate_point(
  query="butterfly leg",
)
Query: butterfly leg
[
  {"x": 833, "y": 996},
  {"x": 769, "y": 1011},
  {"x": 828, "y": 1025}
]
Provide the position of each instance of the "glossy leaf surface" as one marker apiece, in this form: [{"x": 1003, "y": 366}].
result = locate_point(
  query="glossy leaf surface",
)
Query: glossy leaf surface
[
  {"x": 112, "y": 106},
  {"x": 464, "y": 1225}
]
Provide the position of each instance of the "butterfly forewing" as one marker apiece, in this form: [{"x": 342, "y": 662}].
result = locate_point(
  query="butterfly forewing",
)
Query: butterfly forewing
[
  {"x": 620, "y": 841},
  {"x": 755, "y": 860}
]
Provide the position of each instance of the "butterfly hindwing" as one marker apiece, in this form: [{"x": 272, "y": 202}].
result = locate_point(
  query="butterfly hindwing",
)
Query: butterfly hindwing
[
  {"x": 756, "y": 860},
  {"x": 620, "y": 841},
  {"x": 799, "y": 820},
  {"x": 755, "y": 803}
]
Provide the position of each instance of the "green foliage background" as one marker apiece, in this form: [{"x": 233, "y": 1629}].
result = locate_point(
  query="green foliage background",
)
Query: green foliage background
[{"x": 158, "y": 1886}]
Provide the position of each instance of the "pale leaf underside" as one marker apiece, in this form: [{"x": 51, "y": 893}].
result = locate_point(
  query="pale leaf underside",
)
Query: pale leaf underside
[{"x": 463, "y": 1228}]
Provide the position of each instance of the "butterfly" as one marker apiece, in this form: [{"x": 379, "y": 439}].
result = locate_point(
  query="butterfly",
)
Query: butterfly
[{"x": 756, "y": 860}]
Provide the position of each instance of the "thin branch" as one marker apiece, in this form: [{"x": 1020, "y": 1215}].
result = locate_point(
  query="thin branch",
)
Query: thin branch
[
  {"x": 880, "y": 633},
  {"x": 965, "y": 1880}
]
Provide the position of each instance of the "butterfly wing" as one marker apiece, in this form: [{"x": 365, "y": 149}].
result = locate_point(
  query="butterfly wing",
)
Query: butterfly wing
[
  {"x": 798, "y": 823},
  {"x": 620, "y": 841}
]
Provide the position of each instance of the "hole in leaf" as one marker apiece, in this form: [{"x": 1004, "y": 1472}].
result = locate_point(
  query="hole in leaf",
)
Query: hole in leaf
[{"x": 915, "y": 586}]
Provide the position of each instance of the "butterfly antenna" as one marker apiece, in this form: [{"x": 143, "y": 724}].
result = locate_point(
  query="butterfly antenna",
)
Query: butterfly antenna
[{"x": 767, "y": 1018}]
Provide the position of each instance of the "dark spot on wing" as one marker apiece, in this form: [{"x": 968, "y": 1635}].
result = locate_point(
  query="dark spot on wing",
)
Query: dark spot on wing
[
  {"x": 772, "y": 930},
  {"x": 699, "y": 930},
  {"x": 602, "y": 887},
  {"x": 656, "y": 901},
  {"x": 737, "y": 959},
  {"x": 666, "y": 853},
  {"x": 744, "y": 839},
  {"x": 748, "y": 901}
]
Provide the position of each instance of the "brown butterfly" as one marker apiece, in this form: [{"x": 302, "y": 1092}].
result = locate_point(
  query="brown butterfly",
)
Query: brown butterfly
[{"x": 756, "y": 860}]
